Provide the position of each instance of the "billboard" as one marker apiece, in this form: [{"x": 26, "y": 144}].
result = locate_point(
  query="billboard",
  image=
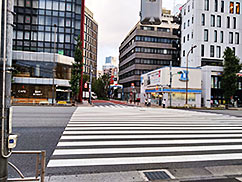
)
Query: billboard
[{"x": 151, "y": 11}]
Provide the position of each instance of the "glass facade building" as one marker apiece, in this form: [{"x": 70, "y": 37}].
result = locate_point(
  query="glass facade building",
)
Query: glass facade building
[
  {"x": 35, "y": 20},
  {"x": 33, "y": 46}
]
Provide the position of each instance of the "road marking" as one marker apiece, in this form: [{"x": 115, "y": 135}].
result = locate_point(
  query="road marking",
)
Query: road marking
[
  {"x": 142, "y": 160},
  {"x": 74, "y": 124},
  {"x": 149, "y": 131},
  {"x": 148, "y": 142},
  {"x": 145, "y": 150},
  {"x": 96, "y": 137},
  {"x": 150, "y": 128}
]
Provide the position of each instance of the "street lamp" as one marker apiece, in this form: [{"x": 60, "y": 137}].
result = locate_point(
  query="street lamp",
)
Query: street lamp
[{"x": 187, "y": 79}]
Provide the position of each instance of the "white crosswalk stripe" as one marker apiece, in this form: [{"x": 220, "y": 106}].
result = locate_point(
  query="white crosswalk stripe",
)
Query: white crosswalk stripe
[
  {"x": 117, "y": 106},
  {"x": 115, "y": 135}
]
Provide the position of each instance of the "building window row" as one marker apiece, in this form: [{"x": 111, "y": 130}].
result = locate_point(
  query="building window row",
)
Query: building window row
[
  {"x": 231, "y": 37},
  {"x": 154, "y": 39},
  {"x": 155, "y": 50},
  {"x": 132, "y": 73},
  {"x": 212, "y": 51},
  {"x": 213, "y": 21},
  {"x": 234, "y": 7}
]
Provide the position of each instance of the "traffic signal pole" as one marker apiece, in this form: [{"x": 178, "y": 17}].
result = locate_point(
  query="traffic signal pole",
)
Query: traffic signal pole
[
  {"x": 82, "y": 48},
  {"x": 6, "y": 36}
]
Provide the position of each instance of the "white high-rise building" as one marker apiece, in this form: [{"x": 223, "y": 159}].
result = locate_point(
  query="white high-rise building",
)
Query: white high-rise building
[{"x": 211, "y": 25}]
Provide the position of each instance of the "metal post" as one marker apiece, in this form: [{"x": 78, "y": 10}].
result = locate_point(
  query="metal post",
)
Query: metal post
[
  {"x": 6, "y": 21},
  {"x": 187, "y": 79},
  {"x": 82, "y": 48},
  {"x": 170, "y": 83},
  {"x": 54, "y": 69},
  {"x": 90, "y": 85}
]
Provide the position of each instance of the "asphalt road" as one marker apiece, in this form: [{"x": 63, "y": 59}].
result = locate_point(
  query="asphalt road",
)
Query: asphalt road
[
  {"x": 236, "y": 113},
  {"x": 38, "y": 128}
]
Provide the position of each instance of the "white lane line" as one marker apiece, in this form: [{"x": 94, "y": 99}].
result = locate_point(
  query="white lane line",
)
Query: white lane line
[
  {"x": 148, "y": 142},
  {"x": 151, "y": 122},
  {"x": 150, "y": 128},
  {"x": 78, "y": 124},
  {"x": 142, "y": 160},
  {"x": 149, "y": 131},
  {"x": 145, "y": 150},
  {"x": 95, "y": 137}
]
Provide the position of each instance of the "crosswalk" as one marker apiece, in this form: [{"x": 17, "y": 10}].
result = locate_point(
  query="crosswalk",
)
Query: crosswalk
[
  {"x": 117, "y": 106},
  {"x": 109, "y": 137}
]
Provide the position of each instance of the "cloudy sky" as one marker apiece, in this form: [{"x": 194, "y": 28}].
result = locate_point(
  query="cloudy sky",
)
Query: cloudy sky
[{"x": 115, "y": 19}]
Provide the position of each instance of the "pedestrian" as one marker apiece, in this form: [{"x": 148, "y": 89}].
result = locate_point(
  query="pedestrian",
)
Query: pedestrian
[
  {"x": 164, "y": 103},
  {"x": 146, "y": 102},
  {"x": 149, "y": 102}
]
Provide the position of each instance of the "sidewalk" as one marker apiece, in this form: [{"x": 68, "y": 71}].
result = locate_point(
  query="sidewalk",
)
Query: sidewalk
[{"x": 206, "y": 174}]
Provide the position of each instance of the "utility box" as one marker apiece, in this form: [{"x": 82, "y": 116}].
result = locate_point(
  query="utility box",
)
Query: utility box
[{"x": 151, "y": 12}]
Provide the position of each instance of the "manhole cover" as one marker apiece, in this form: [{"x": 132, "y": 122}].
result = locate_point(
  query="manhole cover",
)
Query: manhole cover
[{"x": 156, "y": 175}]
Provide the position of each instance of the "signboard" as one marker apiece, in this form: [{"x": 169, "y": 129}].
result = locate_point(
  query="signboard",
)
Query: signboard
[
  {"x": 85, "y": 85},
  {"x": 154, "y": 78},
  {"x": 184, "y": 76}
]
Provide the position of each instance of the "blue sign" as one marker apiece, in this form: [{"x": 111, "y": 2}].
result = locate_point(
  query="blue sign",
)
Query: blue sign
[{"x": 184, "y": 76}]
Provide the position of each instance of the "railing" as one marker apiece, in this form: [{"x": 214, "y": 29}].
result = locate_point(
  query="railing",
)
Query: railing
[{"x": 39, "y": 169}]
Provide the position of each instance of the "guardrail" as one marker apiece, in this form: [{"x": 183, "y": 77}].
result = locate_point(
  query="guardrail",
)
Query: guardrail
[{"x": 39, "y": 169}]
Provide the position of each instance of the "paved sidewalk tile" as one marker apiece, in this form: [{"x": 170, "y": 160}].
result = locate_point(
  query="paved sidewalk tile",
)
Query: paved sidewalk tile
[
  {"x": 102, "y": 177},
  {"x": 190, "y": 173},
  {"x": 225, "y": 170}
]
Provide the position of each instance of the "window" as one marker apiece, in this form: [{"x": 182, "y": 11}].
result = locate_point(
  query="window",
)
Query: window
[
  {"x": 206, "y": 5},
  {"x": 221, "y": 37},
  {"x": 202, "y": 50},
  {"x": 218, "y": 51},
  {"x": 20, "y": 18},
  {"x": 184, "y": 39},
  {"x": 234, "y": 18},
  {"x": 211, "y": 51},
  {"x": 27, "y": 19},
  {"x": 206, "y": 35},
  {"x": 28, "y": 3},
  {"x": 228, "y": 22},
  {"x": 218, "y": 21},
  {"x": 187, "y": 37},
  {"x": 184, "y": 26},
  {"x": 222, "y": 6},
  {"x": 19, "y": 35},
  {"x": 231, "y": 7},
  {"x": 237, "y": 8},
  {"x": 203, "y": 19},
  {"x": 192, "y": 20},
  {"x": 49, "y": 4},
  {"x": 216, "y": 5},
  {"x": 236, "y": 38},
  {"x": 215, "y": 36},
  {"x": 42, "y": 4},
  {"x": 184, "y": 53},
  {"x": 212, "y": 20},
  {"x": 231, "y": 37},
  {"x": 188, "y": 23}
]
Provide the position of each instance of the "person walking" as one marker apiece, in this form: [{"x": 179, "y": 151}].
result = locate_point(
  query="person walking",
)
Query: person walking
[{"x": 164, "y": 103}]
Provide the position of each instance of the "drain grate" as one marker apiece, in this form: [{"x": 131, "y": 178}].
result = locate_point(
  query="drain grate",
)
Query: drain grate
[{"x": 156, "y": 175}]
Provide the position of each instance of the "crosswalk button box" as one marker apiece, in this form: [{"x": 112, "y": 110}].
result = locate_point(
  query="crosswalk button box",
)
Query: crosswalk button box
[{"x": 12, "y": 141}]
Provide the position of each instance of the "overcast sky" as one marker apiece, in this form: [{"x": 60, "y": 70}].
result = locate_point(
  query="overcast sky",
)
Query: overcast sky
[{"x": 115, "y": 19}]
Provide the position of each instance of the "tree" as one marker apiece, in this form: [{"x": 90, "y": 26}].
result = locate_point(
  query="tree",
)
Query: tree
[
  {"x": 76, "y": 71},
  {"x": 101, "y": 86},
  {"x": 229, "y": 78}
]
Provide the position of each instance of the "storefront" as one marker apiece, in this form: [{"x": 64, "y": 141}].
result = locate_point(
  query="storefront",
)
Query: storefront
[{"x": 169, "y": 85}]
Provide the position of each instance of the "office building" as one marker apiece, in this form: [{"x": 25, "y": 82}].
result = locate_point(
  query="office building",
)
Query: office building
[
  {"x": 146, "y": 48},
  {"x": 211, "y": 25},
  {"x": 33, "y": 48}
]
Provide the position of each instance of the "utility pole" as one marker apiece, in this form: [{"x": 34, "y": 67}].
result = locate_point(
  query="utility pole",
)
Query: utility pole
[
  {"x": 54, "y": 69},
  {"x": 90, "y": 85},
  {"x": 6, "y": 36},
  {"x": 170, "y": 83}
]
